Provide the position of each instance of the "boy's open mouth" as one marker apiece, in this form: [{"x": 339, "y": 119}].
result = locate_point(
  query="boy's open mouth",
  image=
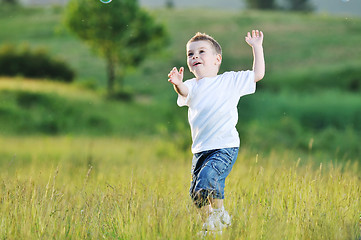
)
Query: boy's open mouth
[{"x": 196, "y": 63}]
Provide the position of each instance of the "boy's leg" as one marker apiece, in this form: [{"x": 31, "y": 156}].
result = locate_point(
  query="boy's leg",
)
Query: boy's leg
[
  {"x": 209, "y": 172},
  {"x": 219, "y": 217},
  {"x": 207, "y": 188},
  {"x": 220, "y": 213},
  {"x": 205, "y": 211},
  {"x": 216, "y": 203}
]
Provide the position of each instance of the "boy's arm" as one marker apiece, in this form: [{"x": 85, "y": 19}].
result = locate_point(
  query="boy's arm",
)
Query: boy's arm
[
  {"x": 176, "y": 78},
  {"x": 255, "y": 41}
]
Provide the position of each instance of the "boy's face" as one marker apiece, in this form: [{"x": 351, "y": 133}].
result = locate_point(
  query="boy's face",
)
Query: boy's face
[{"x": 202, "y": 59}]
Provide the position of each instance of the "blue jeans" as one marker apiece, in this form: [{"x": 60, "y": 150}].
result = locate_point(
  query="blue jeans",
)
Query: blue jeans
[{"x": 209, "y": 171}]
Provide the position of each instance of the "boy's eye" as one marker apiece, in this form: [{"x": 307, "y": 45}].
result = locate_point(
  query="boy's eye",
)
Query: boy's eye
[
  {"x": 190, "y": 54},
  {"x": 201, "y": 51}
]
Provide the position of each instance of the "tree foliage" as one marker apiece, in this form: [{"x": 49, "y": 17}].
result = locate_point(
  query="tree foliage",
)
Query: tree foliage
[
  {"x": 121, "y": 32},
  {"x": 32, "y": 63},
  {"x": 10, "y": 2},
  {"x": 298, "y": 5},
  {"x": 261, "y": 4},
  {"x": 290, "y": 5}
]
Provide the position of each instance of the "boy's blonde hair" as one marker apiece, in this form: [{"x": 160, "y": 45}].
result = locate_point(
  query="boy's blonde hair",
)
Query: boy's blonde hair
[{"x": 205, "y": 37}]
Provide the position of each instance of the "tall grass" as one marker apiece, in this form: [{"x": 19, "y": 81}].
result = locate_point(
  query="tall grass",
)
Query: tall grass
[{"x": 111, "y": 188}]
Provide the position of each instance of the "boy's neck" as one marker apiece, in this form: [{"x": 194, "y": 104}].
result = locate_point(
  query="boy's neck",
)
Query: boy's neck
[{"x": 206, "y": 76}]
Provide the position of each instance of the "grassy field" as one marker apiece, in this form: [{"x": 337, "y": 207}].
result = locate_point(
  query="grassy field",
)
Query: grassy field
[
  {"x": 87, "y": 185},
  {"x": 111, "y": 188},
  {"x": 77, "y": 165}
]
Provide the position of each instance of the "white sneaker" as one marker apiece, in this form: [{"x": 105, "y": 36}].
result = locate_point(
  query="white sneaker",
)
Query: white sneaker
[
  {"x": 217, "y": 220},
  {"x": 226, "y": 220}
]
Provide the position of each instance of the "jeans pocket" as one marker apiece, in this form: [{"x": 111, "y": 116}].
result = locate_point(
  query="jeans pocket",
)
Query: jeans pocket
[
  {"x": 220, "y": 163},
  {"x": 223, "y": 159}
]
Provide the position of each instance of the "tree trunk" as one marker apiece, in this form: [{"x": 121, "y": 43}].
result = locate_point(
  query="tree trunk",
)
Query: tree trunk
[{"x": 111, "y": 75}]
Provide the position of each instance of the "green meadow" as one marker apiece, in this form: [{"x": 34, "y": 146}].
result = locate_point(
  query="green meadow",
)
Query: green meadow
[
  {"x": 75, "y": 164},
  {"x": 112, "y": 188}
]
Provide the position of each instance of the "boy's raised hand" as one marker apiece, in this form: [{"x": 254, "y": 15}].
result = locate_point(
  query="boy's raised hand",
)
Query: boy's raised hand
[
  {"x": 256, "y": 39},
  {"x": 176, "y": 77}
]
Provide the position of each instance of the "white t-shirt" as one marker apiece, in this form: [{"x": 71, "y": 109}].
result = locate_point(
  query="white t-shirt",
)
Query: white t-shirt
[{"x": 212, "y": 108}]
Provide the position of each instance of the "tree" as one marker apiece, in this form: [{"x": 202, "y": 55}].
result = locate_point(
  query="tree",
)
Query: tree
[
  {"x": 299, "y": 5},
  {"x": 261, "y": 4},
  {"x": 169, "y": 3},
  {"x": 9, "y": 2},
  {"x": 120, "y": 31}
]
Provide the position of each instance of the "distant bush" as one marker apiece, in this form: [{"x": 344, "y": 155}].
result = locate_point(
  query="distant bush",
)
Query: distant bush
[
  {"x": 11, "y": 2},
  {"x": 290, "y": 5},
  {"x": 169, "y": 4},
  {"x": 288, "y": 119},
  {"x": 316, "y": 112},
  {"x": 23, "y": 112},
  {"x": 121, "y": 95},
  {"x": 289, "y": 133},
  {"x": 261, "y": 4},
  {"x": 346, "y": 78},
  {"x": 32, "y": 63},
  {"x": 297, "y": 5}
]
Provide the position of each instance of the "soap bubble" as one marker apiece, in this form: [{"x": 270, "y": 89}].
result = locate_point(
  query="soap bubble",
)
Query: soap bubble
[{"x": 105, "y": 1}]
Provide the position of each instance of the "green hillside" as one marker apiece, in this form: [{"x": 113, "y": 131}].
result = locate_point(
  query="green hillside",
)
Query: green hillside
[
  {"x": 293, "y": 42},
  {"x": 43, "y": 107},
  {"x": 311, "y": 92}
]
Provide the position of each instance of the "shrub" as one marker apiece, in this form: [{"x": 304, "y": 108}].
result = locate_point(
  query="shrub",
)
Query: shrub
[
  {"x": 33, "y": 64},
  {"x": 341, "y": 77},
  {"x": 26, "y": 112},
  {"x": 261, "y": 4},
  {"x": 299, "y": 5},
  {"x": 10, "y": 2}
]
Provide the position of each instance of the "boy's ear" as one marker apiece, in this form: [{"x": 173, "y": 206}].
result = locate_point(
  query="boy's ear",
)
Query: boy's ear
[{"x": 219, "y": 59}]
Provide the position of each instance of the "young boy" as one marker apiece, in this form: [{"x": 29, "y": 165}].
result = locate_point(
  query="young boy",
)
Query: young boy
[{"x": 212, "y": 101}]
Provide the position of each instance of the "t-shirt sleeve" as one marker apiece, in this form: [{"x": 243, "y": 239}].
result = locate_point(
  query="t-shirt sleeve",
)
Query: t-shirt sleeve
[
  {"x": 183, "y": 101},
  {"x": 244, "y": 82}
]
